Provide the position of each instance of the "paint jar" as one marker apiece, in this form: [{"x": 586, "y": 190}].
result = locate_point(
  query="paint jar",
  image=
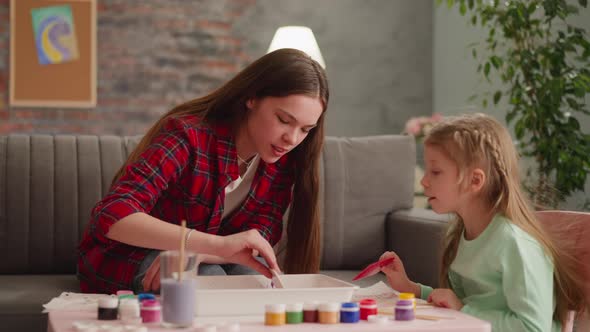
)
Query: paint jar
[
  {"x": 310, "y": 312},
  {"x": 274, "y": 314},
  {"x": 151, "y": 311},
  {"x": 329, "y": 313},
  {"x": 404, "y": 310},
  {"x": 294, "y": 313},
  {"x": 409, "y": 296},
  {"x": 145, "y": 296},
  {"x": 367, "y": 307},
  {"x": 107, "y": 308},
  {"x": 178, "y": 288},
  {"x": 129, "y": 310},
  {"x": 349, "y": 312},
  {"x": 378, "y": 319}
]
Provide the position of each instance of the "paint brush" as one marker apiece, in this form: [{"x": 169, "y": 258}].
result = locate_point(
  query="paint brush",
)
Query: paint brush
[{"x": 182, "y": 244}]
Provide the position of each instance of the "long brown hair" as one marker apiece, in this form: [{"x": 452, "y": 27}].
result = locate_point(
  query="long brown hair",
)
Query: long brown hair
[
  {"x": 481, "y": 141},
  {"x": 278, "y": 74}
]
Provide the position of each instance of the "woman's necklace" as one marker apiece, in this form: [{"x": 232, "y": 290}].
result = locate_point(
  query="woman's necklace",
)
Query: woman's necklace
[{"x": 247, "y": 163}]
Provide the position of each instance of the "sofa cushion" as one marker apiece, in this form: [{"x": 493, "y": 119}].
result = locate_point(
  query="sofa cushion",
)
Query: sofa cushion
[{"x": 363, "y": 180}]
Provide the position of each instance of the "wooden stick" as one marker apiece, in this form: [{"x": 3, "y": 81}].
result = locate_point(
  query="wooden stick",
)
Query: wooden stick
[
  {"x": 182, "y": 243},
  {"x": 423, "y": 317},
  {"x": 432, "y": 317}
]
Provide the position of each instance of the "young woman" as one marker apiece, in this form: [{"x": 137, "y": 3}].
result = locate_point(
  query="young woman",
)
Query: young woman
[{"x": 228, "y": 163}]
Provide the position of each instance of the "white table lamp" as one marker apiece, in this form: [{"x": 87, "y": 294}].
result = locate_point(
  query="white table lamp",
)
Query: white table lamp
[{"x": 297, "y": 37}]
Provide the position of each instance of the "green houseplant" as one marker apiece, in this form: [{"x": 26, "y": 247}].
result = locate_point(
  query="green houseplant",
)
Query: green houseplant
[{"x": 543, "y": 62}]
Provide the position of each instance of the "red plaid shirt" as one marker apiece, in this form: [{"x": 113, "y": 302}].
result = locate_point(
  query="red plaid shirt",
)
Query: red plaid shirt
[{"x": 181, "y": 175}]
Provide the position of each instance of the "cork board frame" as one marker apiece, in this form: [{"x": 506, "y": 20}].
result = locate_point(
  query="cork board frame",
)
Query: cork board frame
[{"x": 67, "y": 84}]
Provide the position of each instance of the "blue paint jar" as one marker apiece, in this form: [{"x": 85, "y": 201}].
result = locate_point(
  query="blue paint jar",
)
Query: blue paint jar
[{"x": 349, "y": 312}]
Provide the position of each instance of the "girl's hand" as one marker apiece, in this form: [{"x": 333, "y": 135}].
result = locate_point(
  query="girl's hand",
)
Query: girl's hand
[
  {"x": 396, "y": 275},
  {"x": 446, "y": 298},
  {"x": 239, "y": 248}
]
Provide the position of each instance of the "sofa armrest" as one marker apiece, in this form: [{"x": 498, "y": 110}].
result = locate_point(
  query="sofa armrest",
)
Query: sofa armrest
[{"x": 416, "y": 236}]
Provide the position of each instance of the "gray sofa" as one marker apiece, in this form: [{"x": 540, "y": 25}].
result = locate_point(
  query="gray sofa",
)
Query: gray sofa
[{"x": 49, "y": 184}]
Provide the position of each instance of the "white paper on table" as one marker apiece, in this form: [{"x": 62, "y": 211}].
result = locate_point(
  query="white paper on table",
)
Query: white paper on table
[
  {"x": 384, "y": 295},
  {"x": 74, "y": 301}
]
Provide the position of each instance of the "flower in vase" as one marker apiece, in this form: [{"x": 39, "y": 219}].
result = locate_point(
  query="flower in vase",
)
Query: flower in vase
[{"x": 421, "y": 125}]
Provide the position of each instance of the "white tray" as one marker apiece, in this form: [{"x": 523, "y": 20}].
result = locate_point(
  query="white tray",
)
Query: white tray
[{"x": 245, "y": 295}]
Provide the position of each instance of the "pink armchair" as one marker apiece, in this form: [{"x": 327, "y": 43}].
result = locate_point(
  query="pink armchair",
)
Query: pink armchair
[{"x": 576, "y": 227}]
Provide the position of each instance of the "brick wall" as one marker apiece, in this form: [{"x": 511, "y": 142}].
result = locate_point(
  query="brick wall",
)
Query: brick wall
[
  {"x": 151, "y": 55},
  {"x": 154, "y": 54}
]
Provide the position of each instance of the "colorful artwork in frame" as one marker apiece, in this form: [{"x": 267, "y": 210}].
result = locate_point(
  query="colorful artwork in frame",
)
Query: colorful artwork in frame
[{"x": 55, "y": 37}]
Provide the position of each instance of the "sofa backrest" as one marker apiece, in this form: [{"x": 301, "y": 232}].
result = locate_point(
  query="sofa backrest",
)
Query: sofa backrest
[
  {"x": 49, "y": 185},
  {"x": 363, "y": 179}
]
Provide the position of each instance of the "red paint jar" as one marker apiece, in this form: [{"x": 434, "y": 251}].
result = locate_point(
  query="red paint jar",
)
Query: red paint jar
[{"x": 367, "y": 307}]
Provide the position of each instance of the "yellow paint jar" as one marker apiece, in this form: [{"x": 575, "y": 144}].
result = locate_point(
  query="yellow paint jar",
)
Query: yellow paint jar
[{"x": 274, "y": 314}]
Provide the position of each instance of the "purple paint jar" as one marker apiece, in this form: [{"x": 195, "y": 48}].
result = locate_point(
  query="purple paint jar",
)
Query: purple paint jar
[{"x": 404, "y": 310}]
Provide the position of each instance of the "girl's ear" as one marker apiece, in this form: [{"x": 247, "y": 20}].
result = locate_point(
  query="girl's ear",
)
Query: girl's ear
[{"x": 478, "y": 179}]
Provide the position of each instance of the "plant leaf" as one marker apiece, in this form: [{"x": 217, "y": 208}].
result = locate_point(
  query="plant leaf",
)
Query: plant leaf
[{"x": 497, "y": 97}]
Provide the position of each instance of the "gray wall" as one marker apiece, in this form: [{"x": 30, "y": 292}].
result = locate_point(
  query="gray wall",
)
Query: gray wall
[
  {"x": 378, "y": 56},
  {"x": 456, "y": 79}
]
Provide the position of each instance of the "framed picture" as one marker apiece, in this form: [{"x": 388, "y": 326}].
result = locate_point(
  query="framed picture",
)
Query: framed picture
[{"x": 53, "y": 53}]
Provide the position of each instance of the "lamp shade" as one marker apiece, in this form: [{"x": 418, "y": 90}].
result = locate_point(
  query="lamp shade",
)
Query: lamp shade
[{"x": 297, "y": 37}]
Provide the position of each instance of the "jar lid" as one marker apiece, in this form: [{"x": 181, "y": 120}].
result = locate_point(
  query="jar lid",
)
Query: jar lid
[
  {"x": 377, "y": 319},
  {"x": 406, "y": 296},
  {"x": 330, "y": 307},
  {"x": 275, "y": 308},
  {"x": 145, "y": 296},
  {"x": 124, "y": 292},
  {"x": 294, "y": 307},
  {"x": 310, "y": 306},
  {"x": 350, "y": 305},
  {"x": 108, "y": 302},
  {"x": 367, "y": 302}
]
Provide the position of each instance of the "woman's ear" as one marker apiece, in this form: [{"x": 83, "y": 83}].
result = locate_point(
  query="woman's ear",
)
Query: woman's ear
[
  {"x": 250, "y": 103},
  {"x": 478, "y": 179}
]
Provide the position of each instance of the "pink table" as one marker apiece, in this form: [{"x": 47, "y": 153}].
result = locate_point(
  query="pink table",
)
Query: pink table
[{"x": 61, "y": 321}]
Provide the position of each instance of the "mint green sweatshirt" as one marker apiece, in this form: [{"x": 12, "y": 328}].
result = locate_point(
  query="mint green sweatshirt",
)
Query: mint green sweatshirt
[{"x": 504, "y": 276}]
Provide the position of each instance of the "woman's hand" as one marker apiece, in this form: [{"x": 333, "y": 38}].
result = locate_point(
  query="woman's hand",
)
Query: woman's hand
[
  {"x": 396, "y": 275},
  {"x": 240, "y": 248},
  {"x": 151, "y": 281},
  {"x": 446, "y": 298}
]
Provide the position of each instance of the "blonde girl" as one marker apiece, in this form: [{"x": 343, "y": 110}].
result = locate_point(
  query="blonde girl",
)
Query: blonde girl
[{"x": 498, "y": 263}]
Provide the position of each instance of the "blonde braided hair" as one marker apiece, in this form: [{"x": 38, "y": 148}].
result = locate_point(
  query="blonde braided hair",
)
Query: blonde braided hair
[{"x": 480, "y": 141}]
